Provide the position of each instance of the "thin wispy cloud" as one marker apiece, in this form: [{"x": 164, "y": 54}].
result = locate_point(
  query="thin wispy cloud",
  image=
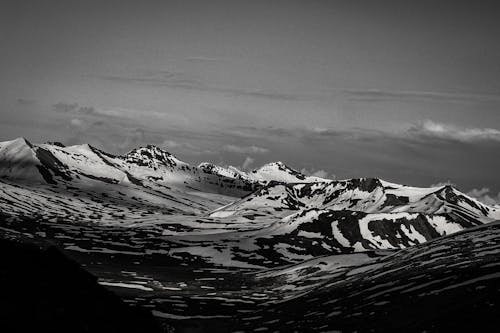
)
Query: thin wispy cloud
[
  {"x": 160, "y": 77},
  {"x": 120, "y": 112},
  {"x": 427, "y": 131},
  {"x": 186, "y": 147},
  {"x": 247, "y": 163},
  {"x": 112, "y": 112},
  {"x": 171, "y": 144},
  {"x": 73, "y": 107},
  {"x": 375, "y": 95},
  {"x": 433, "y": 129},
  {"x": 269, "y": 94},
  {"x": 317, "y": 173},
  {"x": 177, "y": 80},
  {"x": 245, "y": 149}
]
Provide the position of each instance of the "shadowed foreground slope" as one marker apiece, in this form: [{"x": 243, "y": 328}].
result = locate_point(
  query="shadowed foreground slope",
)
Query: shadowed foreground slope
[{"x": 44, "y": 291}]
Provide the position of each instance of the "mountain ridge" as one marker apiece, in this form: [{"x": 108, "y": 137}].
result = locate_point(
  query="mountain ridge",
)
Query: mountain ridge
[
  {"x": 221, "y": 249},
  {"x": 274, "y": 212},
  {"x": 155, "y": 158}
]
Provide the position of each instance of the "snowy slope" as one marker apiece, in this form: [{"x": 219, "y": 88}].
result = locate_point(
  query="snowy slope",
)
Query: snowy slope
[
  {"x": 54, "y": 163},
  {"x": 83, "y": 183},
  {"x": 266, "y": 250},
  {"x": 19, "y": 159},
  {"x": 220, "y": 215},
  {"x": 271, "y": 172},
  {"x": 278, "y": 171},
  {"x": 447, "y": 285},
  {"x": 366, "y": 195}
]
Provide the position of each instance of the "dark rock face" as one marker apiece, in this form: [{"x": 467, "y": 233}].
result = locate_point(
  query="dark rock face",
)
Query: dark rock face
[
  {"x": 50, "y": 162},
  {"x": 393, "y": 200},
  {"x": 150, "y": 156},
  {"x": 56, "y": 143},
  {"x": 44, "y": 291}
]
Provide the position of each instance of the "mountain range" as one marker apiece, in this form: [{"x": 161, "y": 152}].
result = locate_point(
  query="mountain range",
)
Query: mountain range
[{"x": 138, "y": 221}]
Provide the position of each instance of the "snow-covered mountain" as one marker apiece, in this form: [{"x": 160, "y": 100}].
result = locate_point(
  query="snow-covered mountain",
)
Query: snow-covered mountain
[
  {"x": 81, "y": 182},
  {"x": 55, "y": 163},
  {"x": 146, "y": 169},
  {"x": 266, "y": 249},
  {"x": 274, "y": 171},
  {"x": 146, "y": 177},
  {"x": 283, "y": 217},
  {"x": 301, "y": 221}
]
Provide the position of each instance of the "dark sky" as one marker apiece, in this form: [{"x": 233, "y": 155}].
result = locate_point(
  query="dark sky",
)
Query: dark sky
[{"x": 404, "y": 90}]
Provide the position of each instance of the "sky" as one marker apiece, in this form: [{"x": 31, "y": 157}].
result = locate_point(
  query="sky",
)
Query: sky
[{"x": 405, "y": 91}]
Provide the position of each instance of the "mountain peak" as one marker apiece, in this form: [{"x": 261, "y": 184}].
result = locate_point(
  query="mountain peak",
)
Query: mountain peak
[
  {"x": 278, "y": 171},
  {"x": 152, "y": 156},
  {"x": 271, "y": 172},
  {"x": 229, "y": 171},
  {"x": 21, "y": 141},
  {"x": 150, "y": 149},
  {"x": 56, "y": 143},
  {"x": 18, "y": 160},
  {"x": 154, "y": 147},
  {"x": 278, "y": 164}
]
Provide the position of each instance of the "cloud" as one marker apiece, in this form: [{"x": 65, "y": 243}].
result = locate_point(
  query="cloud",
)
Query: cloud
[
  {"x": 245, "y": 149},
  {"x": 318, "y": 173},
  {"x": 247, "y": 163},
  {"x": 445, "y": 183},
  {"x": 485, "y": 196},
  {"x": 375, "y": 95},
  {"x": 82, "y": 131},
  {"x": 427, "y": 129},
  {"x": 405, "y": 155},
  {"x": 24, "y": 101},
  {"x": 73, "y": 107},
  {"x": 179, "y": 80},
  {"x": 113, "y": 112},
  {"x": 422, "y": 133},
  {"x": 159, "y": 78},
  {"x": 86, "y": 109},
  {"x": 270, "y": 94},
  {"x": 175, "y": 144},
  {"x": 431, "y": 129},
  {"x": 78, "y": 123},
  {"x": 134, "y": 138},
  {"x": 476, "y": 193},
  {"x": 65, "y": 107}
]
